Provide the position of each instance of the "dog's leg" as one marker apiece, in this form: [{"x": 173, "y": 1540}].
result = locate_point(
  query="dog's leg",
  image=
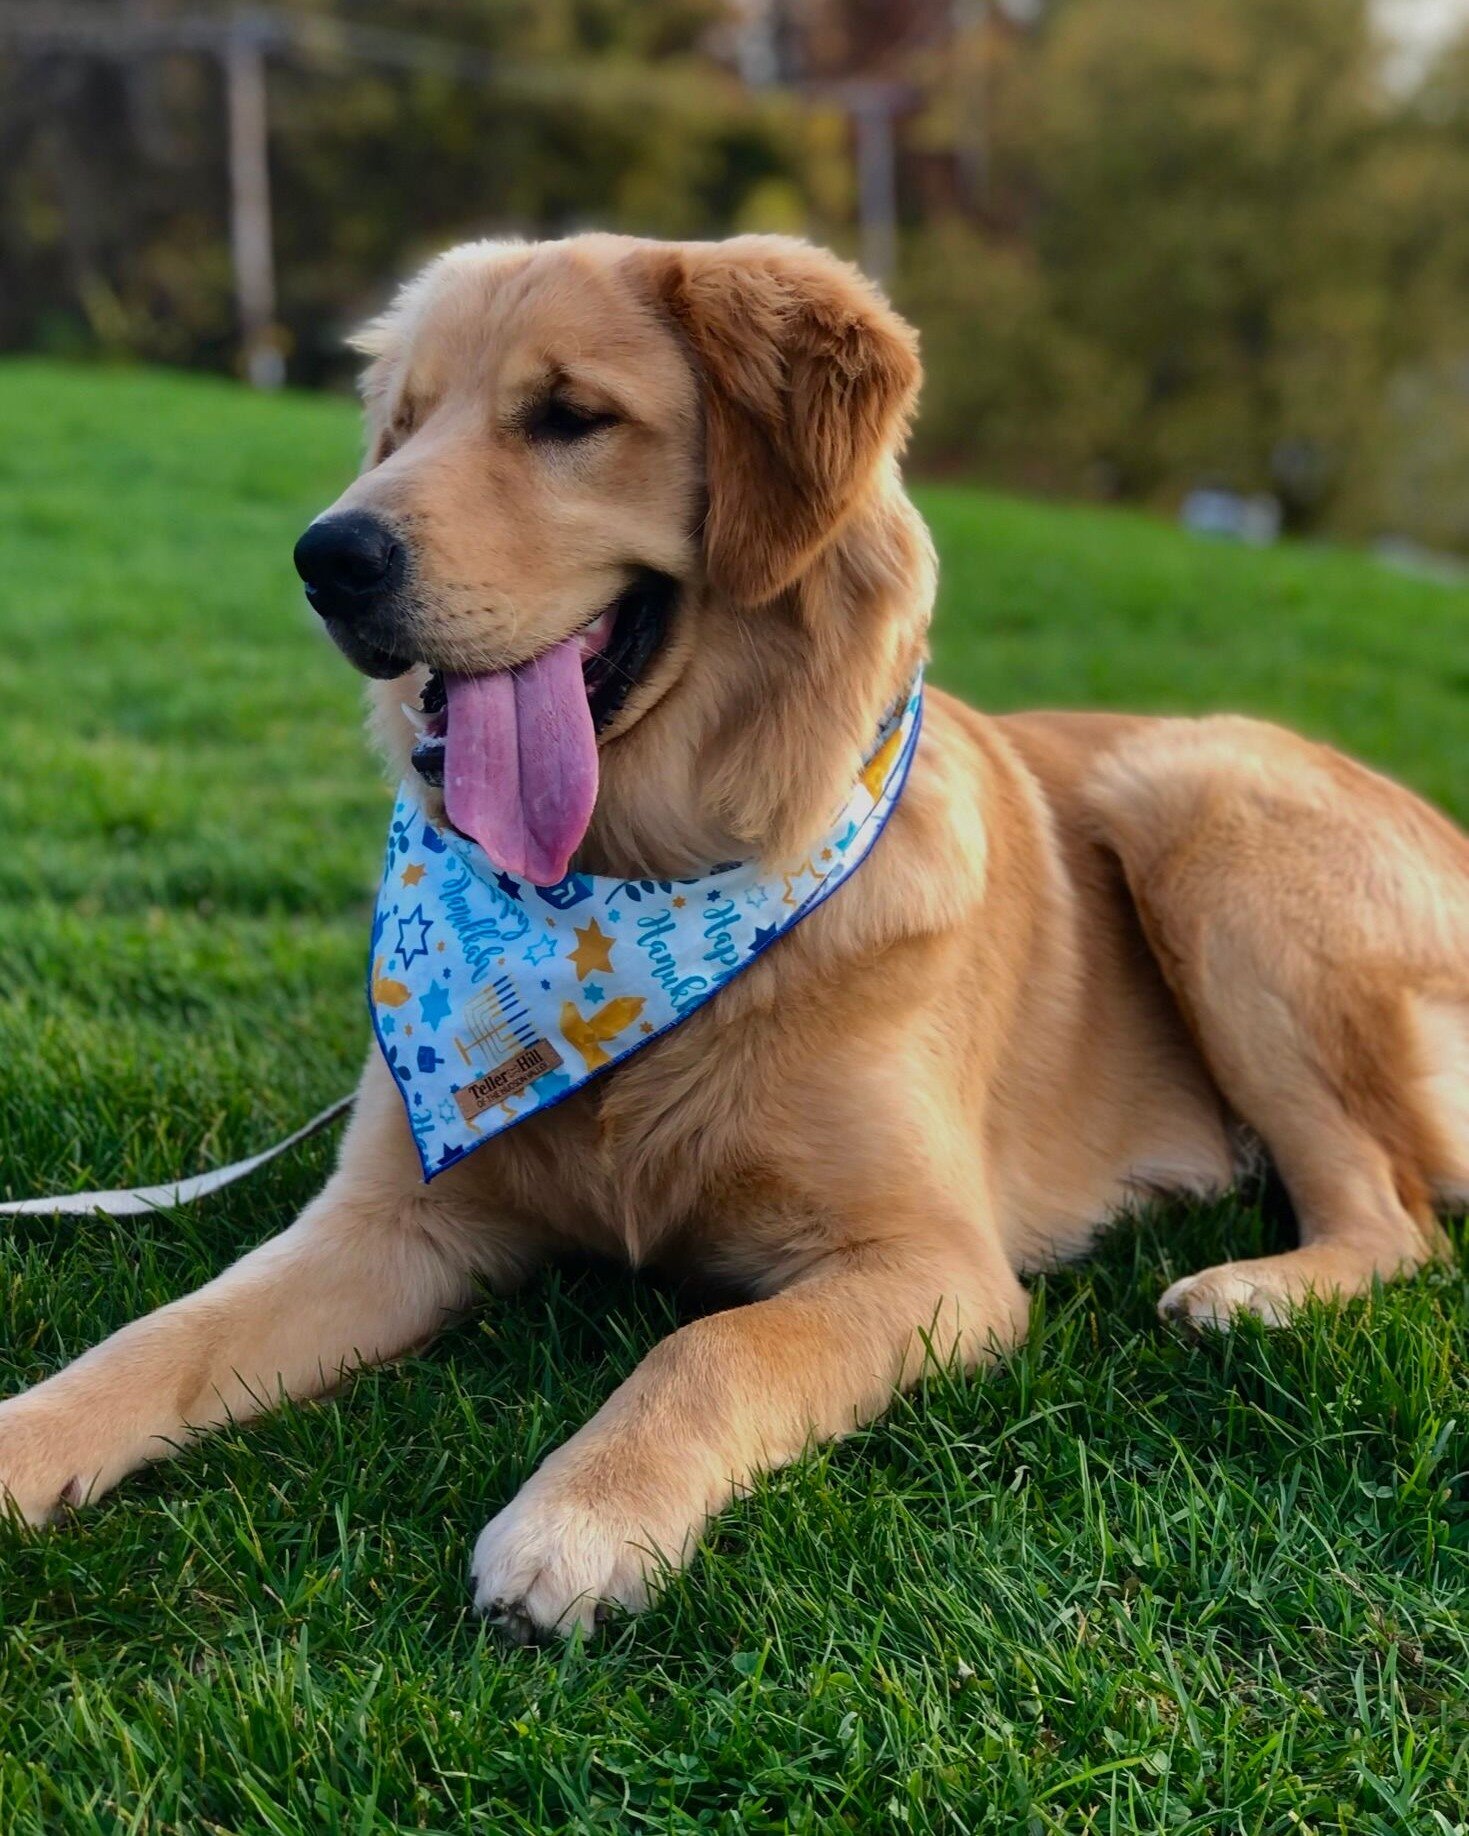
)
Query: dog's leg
[
  {"x": 1314, "y": 1052},
  {"x": 1362, "y": 1210},
  {"x": 1298, "y": 907},
  {"x": 722, "y": 1399},
  {"x": 372, "y": 1267}
]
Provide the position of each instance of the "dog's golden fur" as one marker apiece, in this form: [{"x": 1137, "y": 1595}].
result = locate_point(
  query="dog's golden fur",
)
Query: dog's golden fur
[{"x": 1087, "y": 952}]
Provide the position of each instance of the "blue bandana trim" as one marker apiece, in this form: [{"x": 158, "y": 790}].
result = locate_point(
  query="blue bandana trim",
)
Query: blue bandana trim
[{"x": 493, "y": 999}]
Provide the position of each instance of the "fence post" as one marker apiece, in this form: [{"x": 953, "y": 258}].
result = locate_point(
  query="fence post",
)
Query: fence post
[
  {"x": 873, "y": 105},
  {"x": 250, "y": 223}
]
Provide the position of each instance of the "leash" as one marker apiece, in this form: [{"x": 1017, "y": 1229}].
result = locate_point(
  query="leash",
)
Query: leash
[
  {"x": 677, "y": 951},
  {"x": 131, "y": 1202}
]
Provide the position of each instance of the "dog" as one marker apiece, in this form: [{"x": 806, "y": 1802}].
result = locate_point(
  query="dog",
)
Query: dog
[{"x": 1086, "y": 959}]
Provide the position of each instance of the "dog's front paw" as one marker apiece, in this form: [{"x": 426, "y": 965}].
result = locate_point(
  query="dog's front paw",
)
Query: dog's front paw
[
  {"x": 1217, "y": 1297},
  {"x": 41, "y": 1471},
  {"x": 558, "y": 1558}
]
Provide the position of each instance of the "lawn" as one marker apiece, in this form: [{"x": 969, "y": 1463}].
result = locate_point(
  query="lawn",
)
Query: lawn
[{"x": 1128, "y": 1583}]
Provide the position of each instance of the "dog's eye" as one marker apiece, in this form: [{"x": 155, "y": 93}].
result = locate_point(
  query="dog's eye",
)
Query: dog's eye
[
  {"x": 398, "y": 429},
  {"x": 559, "y": 421}
]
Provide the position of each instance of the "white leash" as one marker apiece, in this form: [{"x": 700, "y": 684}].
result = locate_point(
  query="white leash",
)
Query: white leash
[{"x": 132, "y": 1202}]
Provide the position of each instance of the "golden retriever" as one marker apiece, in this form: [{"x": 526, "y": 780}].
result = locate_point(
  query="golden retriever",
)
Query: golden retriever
[{"x": 1087, "y": 955}]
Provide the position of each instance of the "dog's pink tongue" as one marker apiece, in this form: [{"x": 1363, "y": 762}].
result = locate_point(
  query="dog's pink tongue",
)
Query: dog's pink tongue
[{"x": 520, "y": 762}]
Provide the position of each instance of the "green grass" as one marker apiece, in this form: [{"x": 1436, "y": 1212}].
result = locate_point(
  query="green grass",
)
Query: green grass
[{"x": 1128, "y": 1583}]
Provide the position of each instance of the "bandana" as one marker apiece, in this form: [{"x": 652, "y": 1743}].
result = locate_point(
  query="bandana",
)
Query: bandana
[{"x": 492, "y": 999}]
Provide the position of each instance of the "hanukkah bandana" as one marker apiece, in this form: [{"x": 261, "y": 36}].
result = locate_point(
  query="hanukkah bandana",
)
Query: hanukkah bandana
[{"x": 492, "y": 999}]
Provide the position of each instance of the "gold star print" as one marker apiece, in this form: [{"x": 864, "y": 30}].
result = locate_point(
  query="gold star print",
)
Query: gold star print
[
  {"x": 646, "y": 1027},
  {"x": 826, "y": 854},
  {"x": 593, "y": 950},
  {"x": 680, "y": 901},
  {"x": 789, "y": 896},
  {"x": 413, "y": 873}
]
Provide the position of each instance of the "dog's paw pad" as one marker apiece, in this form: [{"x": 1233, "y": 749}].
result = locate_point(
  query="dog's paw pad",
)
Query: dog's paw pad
[
  {"x": 552, "y": 1565},
  {"x": 509, "y": 1621},
  {"x": 1216, "y": 1298}
]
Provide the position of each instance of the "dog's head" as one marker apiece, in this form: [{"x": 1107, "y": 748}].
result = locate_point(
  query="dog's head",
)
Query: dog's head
[{"x": 599, "y": 473}]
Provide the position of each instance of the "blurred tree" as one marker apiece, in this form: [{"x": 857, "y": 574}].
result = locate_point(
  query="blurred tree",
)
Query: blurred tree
[
  {"x": 1206, "y": 212},
  {"x": 113, "y": 207},
  {"x": 1222, "y": 211},
  {"x": 1414, "y": 479},
  {"x": 1206, "y": 198},
  {"x": 1013, "y": 392}
]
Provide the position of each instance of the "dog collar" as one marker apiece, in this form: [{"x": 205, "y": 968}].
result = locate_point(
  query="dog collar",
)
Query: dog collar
[{"x": 493, "y": 999}]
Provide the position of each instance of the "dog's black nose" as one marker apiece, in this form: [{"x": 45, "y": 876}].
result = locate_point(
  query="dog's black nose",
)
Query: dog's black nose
[{"x": 346, "y": 562}]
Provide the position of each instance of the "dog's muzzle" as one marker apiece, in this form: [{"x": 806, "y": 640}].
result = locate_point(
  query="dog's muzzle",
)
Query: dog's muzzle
[{"x": 353, "y": 567}]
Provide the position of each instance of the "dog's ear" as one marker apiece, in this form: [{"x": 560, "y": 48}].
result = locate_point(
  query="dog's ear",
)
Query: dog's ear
[
  {"x": 379, "y": 341},
  {"x": 809, "y": 378}
]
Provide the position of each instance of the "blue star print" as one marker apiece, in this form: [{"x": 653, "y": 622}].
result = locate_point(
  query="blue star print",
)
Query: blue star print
[
  {"x": 415, "y": 921},
  {"x": 510, "y": 888},
  {"x": 756, "y": 896},
  {"x": 594, "y": 993},
  {"x": 542, "y": 950},
  {"x": 433, "y": 1005},
  {"x": 767, "y": 936}
]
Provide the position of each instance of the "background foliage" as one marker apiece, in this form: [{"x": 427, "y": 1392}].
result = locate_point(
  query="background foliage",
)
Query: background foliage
[
  {"x": 1230, "y": 253},
  {"x": 1150, "y": 246}
]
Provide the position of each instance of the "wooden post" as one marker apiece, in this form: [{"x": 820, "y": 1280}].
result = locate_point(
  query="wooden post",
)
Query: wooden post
[
  {"x": 971, "y": 25},
  {"x": 250, "y": 227},
  {"x": 877, "y": 189}
]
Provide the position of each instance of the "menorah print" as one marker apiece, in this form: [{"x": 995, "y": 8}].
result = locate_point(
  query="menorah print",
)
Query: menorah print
[
  {"x": 503, "y": 1041},
  {"x": 497, "y": 1024}
]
